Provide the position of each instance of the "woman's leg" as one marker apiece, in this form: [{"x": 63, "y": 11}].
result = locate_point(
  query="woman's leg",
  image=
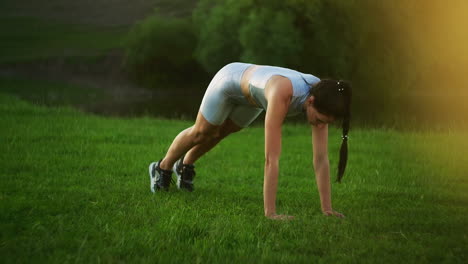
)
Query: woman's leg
[
  {"x": 239, "y": 117},
  {"x": 201, "y": 133},
  {"x": 216, "y": 106},
  {"x": 227, "y": 128}
]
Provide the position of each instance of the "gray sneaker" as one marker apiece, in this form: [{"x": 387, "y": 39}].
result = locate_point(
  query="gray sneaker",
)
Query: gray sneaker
[
  {"x": 159, "y": 178},
  {"x": 185, "y": 174}
]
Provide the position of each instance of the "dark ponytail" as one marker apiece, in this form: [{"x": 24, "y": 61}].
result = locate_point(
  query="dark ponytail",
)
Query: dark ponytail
[
  {"x": 344, "y": 88},
  {"x": 334, "y": 98}
]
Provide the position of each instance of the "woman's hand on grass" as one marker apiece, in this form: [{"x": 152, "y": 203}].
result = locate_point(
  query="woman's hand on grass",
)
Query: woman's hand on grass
[
  {"x": 281, "y": 217},
  {"x": 333, "y": 213}
]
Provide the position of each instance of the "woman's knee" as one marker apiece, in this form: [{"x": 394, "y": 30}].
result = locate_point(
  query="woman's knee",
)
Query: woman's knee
[
  {"x": 228, "y": 128},
  {"x": 203, "y": 131},
  {"x": 201, "y": 136}
]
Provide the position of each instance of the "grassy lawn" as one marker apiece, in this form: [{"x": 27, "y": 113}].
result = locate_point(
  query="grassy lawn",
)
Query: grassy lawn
[{"x": 75, "y": 189}]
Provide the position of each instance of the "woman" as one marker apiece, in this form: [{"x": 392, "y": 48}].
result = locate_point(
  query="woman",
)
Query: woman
[{"x": 238, "y": 93}]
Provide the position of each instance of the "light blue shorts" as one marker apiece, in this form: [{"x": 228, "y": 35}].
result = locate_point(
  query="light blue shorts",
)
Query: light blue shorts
[{"x": 224, "y": 99}]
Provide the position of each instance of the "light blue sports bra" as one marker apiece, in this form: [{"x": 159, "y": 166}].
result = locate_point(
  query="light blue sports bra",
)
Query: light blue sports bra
[{"x": 301, "y": 84}]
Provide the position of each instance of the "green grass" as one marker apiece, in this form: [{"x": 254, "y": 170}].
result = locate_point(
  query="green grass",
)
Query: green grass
[
  {"x": 28, "y": 39},
  {"x": 74, "y": 188}
]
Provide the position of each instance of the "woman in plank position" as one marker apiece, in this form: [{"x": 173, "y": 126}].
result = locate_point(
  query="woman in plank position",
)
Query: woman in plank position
[{"x": 238, "y": 93}]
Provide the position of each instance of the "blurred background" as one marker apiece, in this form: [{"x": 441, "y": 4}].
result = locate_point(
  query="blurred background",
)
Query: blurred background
[{"x": 407, "y": 60}]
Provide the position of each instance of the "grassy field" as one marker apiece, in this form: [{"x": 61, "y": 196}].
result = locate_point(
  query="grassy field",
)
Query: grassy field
[{"x": 75, "y": 189}]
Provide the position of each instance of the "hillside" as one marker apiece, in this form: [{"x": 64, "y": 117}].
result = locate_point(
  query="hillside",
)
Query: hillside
[{"x": 95, "y": 12}]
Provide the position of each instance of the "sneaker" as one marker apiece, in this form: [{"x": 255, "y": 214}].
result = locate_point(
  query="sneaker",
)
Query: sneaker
[
  {"x": 185, "y": 174},
  {"x": 160, "y": 179}
]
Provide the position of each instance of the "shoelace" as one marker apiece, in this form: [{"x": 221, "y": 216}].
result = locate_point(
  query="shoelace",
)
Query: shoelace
[{"x": 166, "y": 178}]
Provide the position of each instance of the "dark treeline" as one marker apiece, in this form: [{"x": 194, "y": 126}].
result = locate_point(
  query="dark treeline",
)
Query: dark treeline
[{"x": 406, "y": 60}]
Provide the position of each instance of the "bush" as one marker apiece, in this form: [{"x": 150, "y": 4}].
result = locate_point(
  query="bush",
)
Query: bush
[
  {"x": 270, "y": 37},
  {"x": 261, "y": 32},
  {"x": 159, "y": 48},
  {"x": 218, "y": 26}
]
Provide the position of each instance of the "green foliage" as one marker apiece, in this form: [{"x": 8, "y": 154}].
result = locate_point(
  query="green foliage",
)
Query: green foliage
[
  {"x": 244, "y": 31},
  {"x": 269, "y": 37},
  {"x": 159, "y": 48},
  {"x": 218, "y": 32},
  {"x": 330, "y": 41},
  {"x": 309, "y": 35}
]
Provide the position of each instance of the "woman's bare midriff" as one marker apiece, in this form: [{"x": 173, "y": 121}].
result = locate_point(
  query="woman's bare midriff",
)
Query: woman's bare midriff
[{"x": 245, "y": 84}]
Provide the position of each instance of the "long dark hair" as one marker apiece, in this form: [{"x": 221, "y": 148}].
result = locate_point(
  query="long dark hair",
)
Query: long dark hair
[{"x": 334, "y": 98}]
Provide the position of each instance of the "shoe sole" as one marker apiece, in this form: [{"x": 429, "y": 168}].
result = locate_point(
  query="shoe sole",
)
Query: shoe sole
[
  {"x": 151, "y": 176},
  {"x": 179, "y": 176},
  {"x": 174, "y": 169}
]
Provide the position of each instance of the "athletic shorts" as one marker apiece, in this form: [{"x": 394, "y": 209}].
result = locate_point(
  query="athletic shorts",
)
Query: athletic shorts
[{"x": 224, "y": 99}]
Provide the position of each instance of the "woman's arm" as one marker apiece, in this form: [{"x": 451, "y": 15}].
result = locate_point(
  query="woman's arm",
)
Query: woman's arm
[
  {"x": 321, "y": 164},
  {"x": 322, "y": 167},
  {"x": 278, "y": 93}
]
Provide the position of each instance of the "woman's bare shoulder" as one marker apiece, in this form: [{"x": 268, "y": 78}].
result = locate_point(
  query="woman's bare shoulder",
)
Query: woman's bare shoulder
[{"x": 279, "y": 85}]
